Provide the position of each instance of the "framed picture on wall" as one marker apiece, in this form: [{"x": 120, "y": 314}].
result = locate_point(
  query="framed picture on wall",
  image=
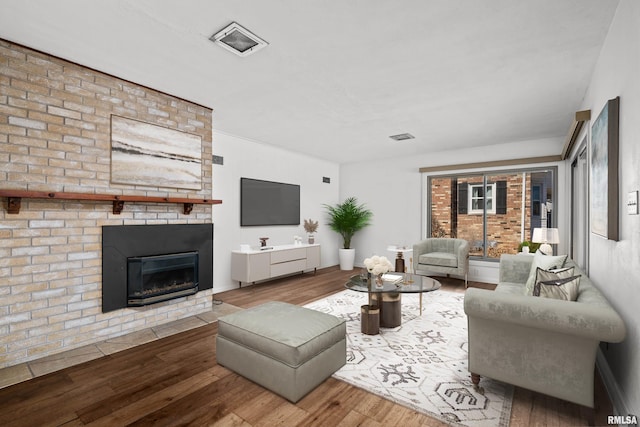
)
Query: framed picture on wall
[
  {"x": 604, "y": 171},
  {"x": 151, "y": 155}
]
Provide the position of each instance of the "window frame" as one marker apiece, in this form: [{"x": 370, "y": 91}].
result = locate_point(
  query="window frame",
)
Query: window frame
[
  {"x": 472, "y": 211},
  {"x": 428, "y": 176}
]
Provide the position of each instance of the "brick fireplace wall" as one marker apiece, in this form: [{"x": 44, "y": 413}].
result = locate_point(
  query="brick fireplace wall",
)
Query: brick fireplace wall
[{"x": 55, "y": 136}]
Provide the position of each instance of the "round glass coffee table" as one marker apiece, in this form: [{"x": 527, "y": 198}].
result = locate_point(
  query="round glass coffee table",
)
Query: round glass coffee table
[{"x": 384, "y": 308}]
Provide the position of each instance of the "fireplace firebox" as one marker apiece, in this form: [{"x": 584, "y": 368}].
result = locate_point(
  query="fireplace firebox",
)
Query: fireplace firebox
[
  {"x": 148, "y": 264},
  {"x": 152, "y": 279}
]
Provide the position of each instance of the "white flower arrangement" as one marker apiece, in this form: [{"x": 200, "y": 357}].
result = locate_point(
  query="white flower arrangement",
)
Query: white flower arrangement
[{"x": 377, "y": 265}]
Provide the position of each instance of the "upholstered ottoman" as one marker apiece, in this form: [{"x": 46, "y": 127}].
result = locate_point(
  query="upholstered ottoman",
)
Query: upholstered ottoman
[{"x": 285, "y": 348}]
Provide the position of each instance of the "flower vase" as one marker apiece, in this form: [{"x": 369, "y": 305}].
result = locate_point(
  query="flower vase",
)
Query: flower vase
[
  {"x": 379, "y": 281},
  {"x": 311, "y": 239}
]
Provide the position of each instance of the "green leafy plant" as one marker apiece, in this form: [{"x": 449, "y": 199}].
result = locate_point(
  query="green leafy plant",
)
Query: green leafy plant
[
  {"x": 533, "y": 247},
  {"x": 348, "y": 217}
]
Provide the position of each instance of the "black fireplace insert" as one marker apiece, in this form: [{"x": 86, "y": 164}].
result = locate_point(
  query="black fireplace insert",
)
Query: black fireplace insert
[
  {"x": 152, "y": 279},
  {"x": 147, "y": 264}
]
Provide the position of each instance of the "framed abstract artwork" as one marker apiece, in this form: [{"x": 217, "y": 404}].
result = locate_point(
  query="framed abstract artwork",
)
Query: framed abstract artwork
[
  {"x": 152, "y": 155},
  {"x": 604, "y": 171}
]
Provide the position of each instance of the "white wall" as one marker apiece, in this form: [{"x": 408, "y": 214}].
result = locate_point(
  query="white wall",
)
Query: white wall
[
  {"x": 615, "y": 266},
  {"x": 393, "y": 189},
  {"x": 244, "y": 158}
]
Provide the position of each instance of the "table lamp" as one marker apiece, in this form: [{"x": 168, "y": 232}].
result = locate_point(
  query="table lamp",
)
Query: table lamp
[{"x": 547, "y": 237}]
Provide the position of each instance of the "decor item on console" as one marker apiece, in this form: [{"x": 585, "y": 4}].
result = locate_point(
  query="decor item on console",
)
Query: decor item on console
[
  {"x": 148, "y": 154},
  {"x": 346, "y": 219},
  {"x": 377, "y": 266},
  {"x": 310, "y": 226},
  {"x": 263, "y": 241}
]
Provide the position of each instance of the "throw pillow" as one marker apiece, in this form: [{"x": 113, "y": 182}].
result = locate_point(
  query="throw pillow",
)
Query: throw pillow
[
  {"x": 545, "y": 262},
  {"x": 556, "y": 274},
  {"x": 562, "y": 289}
]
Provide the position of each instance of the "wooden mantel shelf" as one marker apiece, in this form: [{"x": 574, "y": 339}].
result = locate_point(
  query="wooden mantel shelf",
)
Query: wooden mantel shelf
[{"x": 15, "y": 197}]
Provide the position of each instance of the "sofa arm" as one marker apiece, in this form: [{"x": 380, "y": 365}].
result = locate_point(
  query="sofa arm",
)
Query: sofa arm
[
  {"x": 462, "y": 253},
  {"x": 598, "y": 322}
]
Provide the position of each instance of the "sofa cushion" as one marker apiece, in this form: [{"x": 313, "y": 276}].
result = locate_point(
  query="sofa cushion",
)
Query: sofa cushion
[
  {"x": 442, "y": 259},
  {"x": 562, "y": 289},
  {"x": 546, "y": 262}
]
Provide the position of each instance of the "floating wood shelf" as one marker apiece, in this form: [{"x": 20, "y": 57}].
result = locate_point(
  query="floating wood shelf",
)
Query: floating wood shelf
[{"x": 14, "y": 198}]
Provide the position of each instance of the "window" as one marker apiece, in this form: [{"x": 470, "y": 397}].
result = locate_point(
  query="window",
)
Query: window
[
  {"x": 478, "y": 198},
  {"x": 494, "y": 211}
]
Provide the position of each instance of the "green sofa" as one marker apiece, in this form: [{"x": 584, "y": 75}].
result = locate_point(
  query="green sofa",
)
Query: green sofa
[{"x": 540, "y": 344}]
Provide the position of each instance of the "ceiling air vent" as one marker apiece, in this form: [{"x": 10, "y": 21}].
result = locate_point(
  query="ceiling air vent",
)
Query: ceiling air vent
[
  {"x": 402, "y": 137},
  {"x": 238, "y": 40}
]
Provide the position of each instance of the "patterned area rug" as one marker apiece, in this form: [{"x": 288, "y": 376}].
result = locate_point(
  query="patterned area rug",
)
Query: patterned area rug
[{"x": 421, "y": 364}]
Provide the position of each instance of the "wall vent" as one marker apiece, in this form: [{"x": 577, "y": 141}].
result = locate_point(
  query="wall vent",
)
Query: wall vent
[
  {"x": 402, "y": 137},
  {"x": 218, "y": 160}
]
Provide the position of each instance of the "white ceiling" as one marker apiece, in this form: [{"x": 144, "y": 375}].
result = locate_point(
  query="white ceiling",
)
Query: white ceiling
[{"x": 340, "y": 76}]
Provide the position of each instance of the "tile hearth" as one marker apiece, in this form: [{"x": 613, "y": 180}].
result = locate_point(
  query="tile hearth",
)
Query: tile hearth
[{"x": 35, "y": 368}]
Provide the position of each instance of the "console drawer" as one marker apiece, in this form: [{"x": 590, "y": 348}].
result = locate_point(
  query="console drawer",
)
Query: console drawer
[
  {"x": 288, "y": 267},
  {"x": 288, "y": 255}
]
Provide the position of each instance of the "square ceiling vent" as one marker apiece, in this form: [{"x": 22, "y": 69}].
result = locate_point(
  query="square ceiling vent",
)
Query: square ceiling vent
[{"x": 238, "y": 40}]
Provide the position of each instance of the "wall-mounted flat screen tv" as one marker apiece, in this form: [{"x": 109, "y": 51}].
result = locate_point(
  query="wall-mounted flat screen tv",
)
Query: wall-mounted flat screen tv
[{"x": 268, "y": 203}]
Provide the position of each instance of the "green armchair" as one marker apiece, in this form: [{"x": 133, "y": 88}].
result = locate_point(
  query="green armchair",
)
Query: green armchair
[{"x": 443, "y": 256}]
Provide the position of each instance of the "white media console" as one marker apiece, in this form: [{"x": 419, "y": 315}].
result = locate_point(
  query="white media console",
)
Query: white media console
[{"x": 256, "y": 265}]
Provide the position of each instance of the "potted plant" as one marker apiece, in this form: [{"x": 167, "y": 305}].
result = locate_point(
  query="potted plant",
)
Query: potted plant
[
  {"x": 531, "y": 247},
  {"x": 345, "y": 219}
]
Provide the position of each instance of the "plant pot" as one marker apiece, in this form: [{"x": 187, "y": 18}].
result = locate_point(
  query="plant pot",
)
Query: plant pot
[{"x": 347, "y": 257}]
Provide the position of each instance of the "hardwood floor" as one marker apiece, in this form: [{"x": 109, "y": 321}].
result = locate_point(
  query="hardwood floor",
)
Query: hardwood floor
[{"x": 176, "y": 381}]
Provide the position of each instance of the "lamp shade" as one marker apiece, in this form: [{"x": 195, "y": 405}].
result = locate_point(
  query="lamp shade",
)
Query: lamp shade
[{"x": 546, "y": 236}]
